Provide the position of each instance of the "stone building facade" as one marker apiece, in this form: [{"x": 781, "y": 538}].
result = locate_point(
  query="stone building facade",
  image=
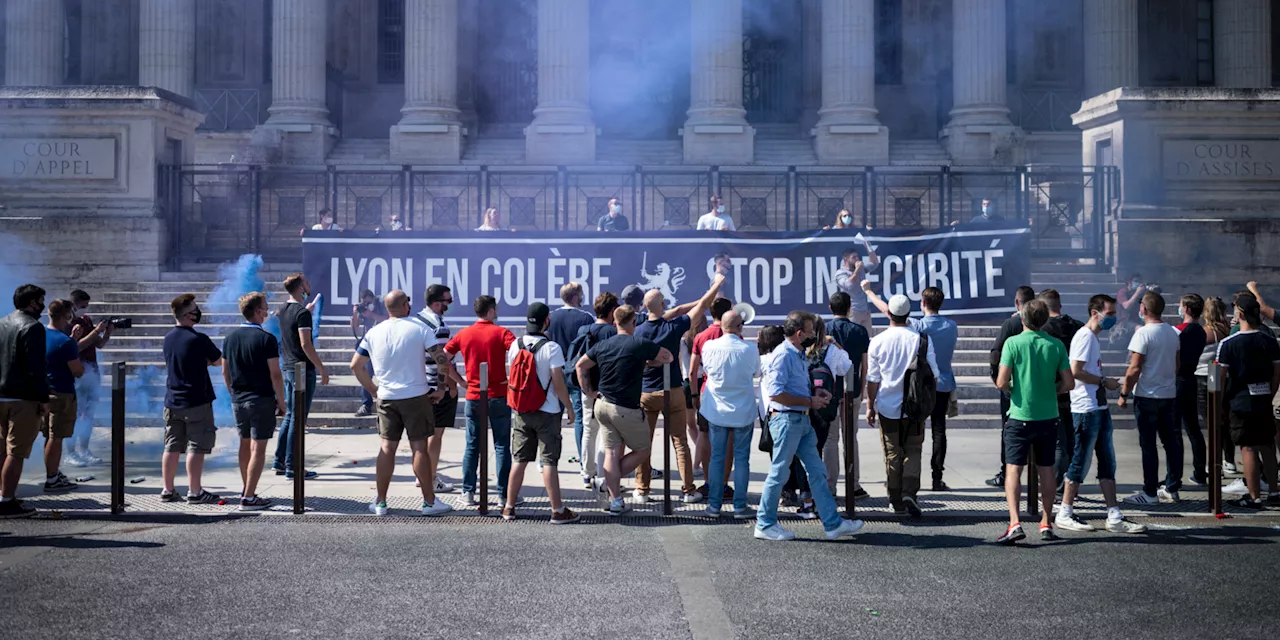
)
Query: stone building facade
[{"x": 583, "y": 82}]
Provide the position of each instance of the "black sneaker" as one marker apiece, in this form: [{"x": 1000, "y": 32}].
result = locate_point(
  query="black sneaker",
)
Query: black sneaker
[
  {"x": 860, "y": 494},
  {"x": 279, "y": 470},
  {"x": 899, "y": 509},
  {"x": 997, "y": 481},
  {"x": 807, "y": 511},
  {"x": 59, "y": 484},
  {"x": 253, "y": 503},
  {"x": 1245, "y": 502},
  {"x": 204, "y": 497},
  {"x": 939, "y": 485},
  {"x": 912, "y": 508},
  {"x": 790, "y": 499},
  {"x": 170, "y": 496},
  {"x": 1046, "y": 533},
  {"x": 728, "y": 492},
  {"x": 305, "y": 476},
  {"x": 655, "y": 474},
  {"x": 1273, "y": 500},
  {"x": 15, "y": 509}
]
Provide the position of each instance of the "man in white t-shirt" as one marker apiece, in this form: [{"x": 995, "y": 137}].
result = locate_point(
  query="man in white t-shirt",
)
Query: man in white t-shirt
[
  {"x": 1091, "y": 422},
  {"x": 538, "y": 431},
  {"x": 890, "y": 356},
  {"x": 716, "y": 220},
  {"x": 398, "y": 348},
  {"x": 1152, "y": 380}
]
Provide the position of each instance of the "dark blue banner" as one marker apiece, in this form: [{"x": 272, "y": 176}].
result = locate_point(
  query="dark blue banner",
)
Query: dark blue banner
[{"x": 977, "y": 268}]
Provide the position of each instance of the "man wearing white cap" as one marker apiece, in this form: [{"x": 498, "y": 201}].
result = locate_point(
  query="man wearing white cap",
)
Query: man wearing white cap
[{"x": 890, "y": 356}]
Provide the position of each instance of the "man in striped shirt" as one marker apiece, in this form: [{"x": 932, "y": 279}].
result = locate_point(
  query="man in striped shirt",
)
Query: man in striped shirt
[{"x": 439, "y": 297}]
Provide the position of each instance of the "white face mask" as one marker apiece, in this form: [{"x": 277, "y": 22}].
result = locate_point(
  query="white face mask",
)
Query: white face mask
[
  {"x": 720, "y": 208},
  {"x": 327, "y": 221},
  {"x": 615, "y": 209},
  {"x": 846, "y": 219},
  {"x": 75, "y": 312}
]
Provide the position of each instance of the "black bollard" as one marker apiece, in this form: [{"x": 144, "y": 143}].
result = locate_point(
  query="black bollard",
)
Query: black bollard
[
  {"x": 847, "y": 421},
  {"x": 1216, "y": 382},
  {"x": 482, "y": 427},
  {"x": 299, "y": 437},
  {"x": 117, "y": 437},
  {"x": 666, "y": 439}
]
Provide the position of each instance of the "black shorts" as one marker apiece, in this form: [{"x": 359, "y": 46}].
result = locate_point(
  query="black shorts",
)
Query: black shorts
[
  {"x": 1253, "y": 429},
  {"x": 256, "y": 418},
  {"x": 1023, "y": 439},
  {"x": 446, "y": 411}
]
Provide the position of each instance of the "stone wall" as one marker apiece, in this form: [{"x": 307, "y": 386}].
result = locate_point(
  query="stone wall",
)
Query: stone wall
[
  {"x": 68, "y": 249},
  {"x": 1208, "y": 255}
]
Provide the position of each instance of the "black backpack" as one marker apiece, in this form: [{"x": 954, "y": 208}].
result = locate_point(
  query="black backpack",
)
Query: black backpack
[
  {"x": 578, "y": 348},
  {"x": 920, "y": 387},
  {"x": 821, "y": 377}
]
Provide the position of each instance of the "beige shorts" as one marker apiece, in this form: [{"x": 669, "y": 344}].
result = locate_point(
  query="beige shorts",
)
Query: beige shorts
[
  {"x": 622, "y": 426},
  {"x": 19, "y": 426},
  {"x": 413, "y": 416},
  {"x": 60, "y": 422},
  {"x": 191, "y": 429}
]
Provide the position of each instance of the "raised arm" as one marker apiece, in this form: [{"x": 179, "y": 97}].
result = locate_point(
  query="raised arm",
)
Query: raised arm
[
  {"x": 874, "y": 299},
  {"x": 1267, "y": 312}
]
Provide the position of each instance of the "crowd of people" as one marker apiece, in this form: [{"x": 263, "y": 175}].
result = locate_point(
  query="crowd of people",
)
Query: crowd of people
[{"x": 612, "y": 371}]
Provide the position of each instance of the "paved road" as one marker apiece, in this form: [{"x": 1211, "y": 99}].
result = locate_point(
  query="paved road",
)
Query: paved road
[{"x": 331, "y": 577}]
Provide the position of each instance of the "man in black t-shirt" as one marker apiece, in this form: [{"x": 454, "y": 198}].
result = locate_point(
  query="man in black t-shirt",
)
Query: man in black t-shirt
[
  {"x": 622, "y": 360},
  {"x": 855, "y": 340},
  {"x": 1063, "y": 328},
  {"x": 1252, "y": 360},
  {"x": 1191, "y": 341},
  {"x": 188, "y": 401},
  {"x": 252, "y": 374},
  {"x": 296, "y": 346}
]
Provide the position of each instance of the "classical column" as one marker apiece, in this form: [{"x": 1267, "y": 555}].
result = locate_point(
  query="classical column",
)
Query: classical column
[
  {"x": 167, "y": 45},
  {"x": 980, "y": 131},
  {"x": 716, "y": 131},
  {"x": 1110, "y": 45},
  {"x": 811, "y": 62},
  {"x": 1242, "y": 43},
  {"x": 563, "y": 131},
  {"x": 848, "y": 131},
  {"x": 429, "y": 130},
  {"x": 298, "y": 55},
  {"x": 34, "y": 41}
]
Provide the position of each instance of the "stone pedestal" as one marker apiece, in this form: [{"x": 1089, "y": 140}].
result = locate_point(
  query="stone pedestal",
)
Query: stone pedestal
[
  {"x": 848, "y": 131},
  {"x": 563, "y": 131},
  {"x": 429, "y": 131},
  {"x": 980, "y": 131},
  {"x": 79, "y": 179},
  {"x": 716, "y": 131},
  {"x": 298, "y": 114},
  {"x": 1200, "y": 177}
]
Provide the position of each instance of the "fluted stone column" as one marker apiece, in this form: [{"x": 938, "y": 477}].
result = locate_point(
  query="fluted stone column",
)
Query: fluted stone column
[
  {"x": 811, "y": 63},
  {"x": 563, "y": 131},
  {"x": 1110, "y": 45},
  {"x": 430, "y": 130},
  {"x": 34, "y": 40},
  {"x": 980, "y": 131},
  {"x": 167, "y": 45},
  {"x": 298, "y": 114},
  {"x": 716, "y": 131},
  {"x": 1242, "y": 43},
  {"x": 848, "y": 131}
]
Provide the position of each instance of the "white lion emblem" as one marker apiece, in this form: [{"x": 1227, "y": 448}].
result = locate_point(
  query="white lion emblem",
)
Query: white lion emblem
[{"x": 666, "y": 280}]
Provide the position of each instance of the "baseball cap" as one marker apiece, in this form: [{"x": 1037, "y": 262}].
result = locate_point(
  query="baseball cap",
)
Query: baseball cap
[
  {"x": 899, "y": 305},
  {"x": 535, "y": 317},
  {"x": 633, "y": 295}
]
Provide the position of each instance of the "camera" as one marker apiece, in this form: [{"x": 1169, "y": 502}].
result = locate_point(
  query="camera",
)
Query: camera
[
  {"x": 120, "y": 322},
  {"x": 1153, "y": 288}
]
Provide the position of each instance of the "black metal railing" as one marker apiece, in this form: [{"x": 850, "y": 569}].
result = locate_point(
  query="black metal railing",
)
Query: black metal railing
[{"x": 216, "y": 212}]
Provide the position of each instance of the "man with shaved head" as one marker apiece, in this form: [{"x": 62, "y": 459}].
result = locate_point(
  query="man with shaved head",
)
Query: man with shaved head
[
  {"x": 665, "y": 329},
  {"x": 399, "y": 349},
  {"x": 729, "y": 405}
]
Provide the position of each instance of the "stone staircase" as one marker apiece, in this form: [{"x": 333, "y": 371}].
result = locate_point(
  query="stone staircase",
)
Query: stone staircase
[
  {"x": 335, "y": 404},
  {"x": 493, "y": 151},
  {"x": 360, "y": 152},
  {"x": 639, "y": 152},
  {"x": 917, "y": 153}
]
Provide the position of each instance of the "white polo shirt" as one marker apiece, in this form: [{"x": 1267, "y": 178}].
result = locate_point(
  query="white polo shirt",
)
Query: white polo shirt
[{"x": 398, "y": 350}]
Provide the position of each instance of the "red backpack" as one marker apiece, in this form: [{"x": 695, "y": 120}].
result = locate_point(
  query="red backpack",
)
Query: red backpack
[{"x": 525, "y": 392}]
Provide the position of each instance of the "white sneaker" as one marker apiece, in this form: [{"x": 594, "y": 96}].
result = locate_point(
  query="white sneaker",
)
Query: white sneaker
[
  {"x": 692, "y": 498},
  {"x": 846, "y": 528},
  {"x": 1164, "y": 495},
  {"x": 378, "y": 508},
  {"x": 440, "y": 507},
  {"x": 1072, "y": 523},
  {"x": 1124, "y": 525},
  {"x": 442, "y": 486},
  {"x": 775, "y": 533},
  {"x": 639, "y": 498},
  {"x": 1141, "y": 498},
  {"x": 468, "y": 499},
  {"x": 1228, "y": 467},
  {"x": 1236, "y": 488}
]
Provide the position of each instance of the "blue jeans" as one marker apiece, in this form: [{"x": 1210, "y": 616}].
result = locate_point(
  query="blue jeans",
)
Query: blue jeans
[
  {"x": 575, "y": 399},
  {"x": 1159, "y": 418},
  {"x": 500, "y": 424},
  {"x": 366, "y": 398},
  {"x": 288, "y": 435},
  {"x": 1092, "y": 433},
  {"x": 741, "y": 466},
  {"x": 794, "y": 436}
]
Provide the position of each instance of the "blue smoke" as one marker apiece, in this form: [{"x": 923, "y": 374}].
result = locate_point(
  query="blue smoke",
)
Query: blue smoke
[{"x": 235, "y": 280}]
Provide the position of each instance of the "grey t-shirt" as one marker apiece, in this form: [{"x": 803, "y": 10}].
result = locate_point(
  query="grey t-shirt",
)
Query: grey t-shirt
[
  {"x": 1158, "y": 343},
  {"x": 857, "y": 297}
]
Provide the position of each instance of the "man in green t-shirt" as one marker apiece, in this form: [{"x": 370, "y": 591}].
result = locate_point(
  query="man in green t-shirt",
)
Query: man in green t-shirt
[{"x": 1033, "y": 371}]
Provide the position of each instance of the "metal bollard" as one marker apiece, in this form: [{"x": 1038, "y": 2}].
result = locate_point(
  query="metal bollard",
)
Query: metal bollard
[
  {"x": 1216, "y": 383},
  {"x": 482, "y": 426},
  {"x": 117, "y": 437},
  {"x": 299, "y": 437},
  {"x": 847, "y": 420},
  {"x": 666, "y": 439}
]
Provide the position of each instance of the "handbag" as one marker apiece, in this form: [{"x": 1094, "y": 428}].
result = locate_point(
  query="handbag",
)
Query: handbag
[{"x": 766, "y": 439}]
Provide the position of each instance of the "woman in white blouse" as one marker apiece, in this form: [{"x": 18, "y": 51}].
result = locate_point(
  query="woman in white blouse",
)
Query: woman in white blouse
[{"x": 492, "y": 221}]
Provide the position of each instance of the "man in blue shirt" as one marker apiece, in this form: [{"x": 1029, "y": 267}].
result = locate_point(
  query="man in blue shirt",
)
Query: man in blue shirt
[
  {"x": 63, "y": 357},
  {"x": 565, "y": 323},
  {"x": 665, "y": 329},
  {"x": 786, "y": 385}
]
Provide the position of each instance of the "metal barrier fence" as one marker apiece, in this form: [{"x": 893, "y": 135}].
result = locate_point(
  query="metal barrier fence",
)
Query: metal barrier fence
[{"x": 221, "y": 211}]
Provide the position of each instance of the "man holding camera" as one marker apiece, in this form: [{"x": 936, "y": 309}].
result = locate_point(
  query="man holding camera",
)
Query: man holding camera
[
  {"x": 364, "y": 316},
  {"x": 89, "y": 338}
]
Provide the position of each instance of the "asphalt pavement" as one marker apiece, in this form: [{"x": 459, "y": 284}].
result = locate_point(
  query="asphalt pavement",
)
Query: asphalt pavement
[{"x": 184, "y": 576}]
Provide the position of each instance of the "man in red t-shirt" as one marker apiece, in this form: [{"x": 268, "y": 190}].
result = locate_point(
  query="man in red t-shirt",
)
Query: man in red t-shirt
[
  {"x": 696, "y": 379},
  {"x": 479, "y": 343}
]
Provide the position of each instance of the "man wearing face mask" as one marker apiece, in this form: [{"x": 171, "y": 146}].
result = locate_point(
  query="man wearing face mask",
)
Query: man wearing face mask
[
  {"x": 188, "y": 401},
  {"x": 716, "y": 220},
  {"x": 326, "y": 222},
  {"x": 849, "y": 280},
  {"x": 1128, "y": 303},
  {"x": 89, "y": 337},
  {"x": 614, "y": 220},
  {"x": 297, "y": 344},
  {"x": 24, "y": 392},
  {"x": 1091, "y": 422}
]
